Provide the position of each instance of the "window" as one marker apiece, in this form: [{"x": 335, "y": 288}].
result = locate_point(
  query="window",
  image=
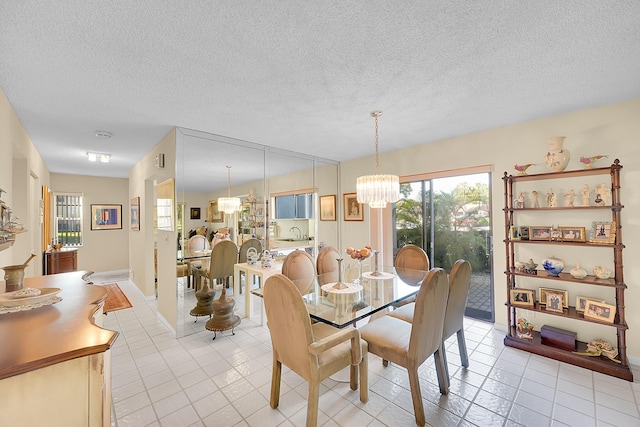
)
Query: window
[{"x": 67, "y": 218}]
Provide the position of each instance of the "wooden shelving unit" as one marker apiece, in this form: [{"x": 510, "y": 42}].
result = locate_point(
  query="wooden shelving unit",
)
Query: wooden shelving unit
[{"x": 600, "y": 364}]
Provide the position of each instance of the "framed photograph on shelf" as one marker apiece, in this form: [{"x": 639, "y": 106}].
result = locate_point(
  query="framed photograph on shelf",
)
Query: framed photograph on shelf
[
  {"x": 543, "y": 293},
  {"x": 353, "y": 211},
  {"x": 581, "y": 303},
  {"x": 603, "y": 232},
  {"x": 524, "y": 297},
  {"x": 573, "y": 234},
  {"x": 554, "y": 300},
  {"x": 539, "y": 233},
  {"x": 328, "y": 207},
  {"x": 106, "y": 217},
  {"x": 515, "y": 233},
  {"x": 600, "y": 311},
  {"x": 195, "y": 213},
  {"x": 555, "y": 235},
  {"x": 135, "y": 213}
]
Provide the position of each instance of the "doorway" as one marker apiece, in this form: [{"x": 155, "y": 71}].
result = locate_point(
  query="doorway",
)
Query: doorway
[{"x": 450, "y": 218}]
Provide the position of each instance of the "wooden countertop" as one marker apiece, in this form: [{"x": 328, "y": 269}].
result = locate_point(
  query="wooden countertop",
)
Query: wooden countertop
[{"x": 56, "y": 333}]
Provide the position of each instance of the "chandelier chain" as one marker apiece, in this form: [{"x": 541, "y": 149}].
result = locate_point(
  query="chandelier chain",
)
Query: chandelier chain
[
  {"x": 228, "y": 181},
  {"x": 377, "y": 155}
]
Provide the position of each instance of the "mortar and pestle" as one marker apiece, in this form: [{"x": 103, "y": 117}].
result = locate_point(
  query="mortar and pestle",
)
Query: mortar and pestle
[{"x": 14, "y": 275}]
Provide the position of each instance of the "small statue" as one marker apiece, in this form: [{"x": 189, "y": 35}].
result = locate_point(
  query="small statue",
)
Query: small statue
[
  {"x": 568, "y": 197},
  {"x": 603, "y": 193},
  {"x": 525, "y": 329},
  {"x": 552, "y": 200},
  {"x": 585, "y": 195},
  {"x": 530, "y": 267},
  {"x": 536, "y": 199},
  {"x": 520, "y": 201}
]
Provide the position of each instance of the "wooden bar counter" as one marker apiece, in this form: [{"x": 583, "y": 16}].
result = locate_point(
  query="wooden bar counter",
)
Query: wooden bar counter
[{"x": 55, "y": 361}]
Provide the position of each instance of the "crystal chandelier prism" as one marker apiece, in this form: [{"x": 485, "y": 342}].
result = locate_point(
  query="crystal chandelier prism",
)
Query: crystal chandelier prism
[
  {"x": 229, "y": 204},
  {"x": 379, "y": 189}
]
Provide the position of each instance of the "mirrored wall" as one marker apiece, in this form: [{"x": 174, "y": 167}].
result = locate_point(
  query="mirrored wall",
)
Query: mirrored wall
[{"x": 259, "y": 176}]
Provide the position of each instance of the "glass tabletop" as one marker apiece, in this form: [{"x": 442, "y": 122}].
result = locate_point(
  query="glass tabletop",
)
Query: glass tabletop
[
  {"x": 342, "y": 303},
  {"x": 187, "y": 255}
]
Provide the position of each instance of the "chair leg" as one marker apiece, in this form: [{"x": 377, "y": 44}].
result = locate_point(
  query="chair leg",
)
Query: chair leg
[
  {"x": 462, "y": 346},
  {"x": 443, "y": 380},
  {"x": 445, "y": 363},
  {"x": 353, "y": 377},
  {"x": 416, "y": 396},
  {"x": 312, "y": 404},
  {"x": 364, "y": 377},
  {"x": 275, "y": 383}
]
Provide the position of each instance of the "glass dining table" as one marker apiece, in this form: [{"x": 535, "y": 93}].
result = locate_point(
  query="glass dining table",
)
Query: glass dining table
[{"x": 359, "y": 294}]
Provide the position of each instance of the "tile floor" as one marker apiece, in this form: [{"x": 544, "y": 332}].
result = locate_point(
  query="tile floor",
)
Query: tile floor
[{"x": 159, "y": 380}]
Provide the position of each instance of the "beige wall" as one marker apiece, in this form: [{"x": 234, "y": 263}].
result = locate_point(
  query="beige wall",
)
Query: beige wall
[
  {"x": 610, "y": 129},
  {"x": 143, "y": 177},
  {"x": 22, "y": 175},
  {"x": 102, "y": 250}
]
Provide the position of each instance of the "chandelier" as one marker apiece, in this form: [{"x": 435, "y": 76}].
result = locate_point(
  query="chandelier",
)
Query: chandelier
[
  {"x": 378, "y": 190},
  {"x": 229, "y": 204}
]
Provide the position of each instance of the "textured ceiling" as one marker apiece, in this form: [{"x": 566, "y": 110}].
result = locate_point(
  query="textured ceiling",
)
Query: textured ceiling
[{"x": 303, "y": 76}]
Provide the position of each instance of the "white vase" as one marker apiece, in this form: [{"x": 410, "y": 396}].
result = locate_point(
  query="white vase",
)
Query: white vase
[
  {"x": 557, "y": 158},
  {"x": 578, "y": 272}
]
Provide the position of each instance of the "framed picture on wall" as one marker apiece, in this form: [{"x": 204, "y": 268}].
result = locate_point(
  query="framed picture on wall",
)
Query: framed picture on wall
[
  {"x": 106, "y": 217},
  {"x": 214, "y": 214},
  {"x": 135, "y": 213},
  {"x": 328, "y": 208},
  {"x": 353, "y": 211},
  {"x": 195, "y": 213}
]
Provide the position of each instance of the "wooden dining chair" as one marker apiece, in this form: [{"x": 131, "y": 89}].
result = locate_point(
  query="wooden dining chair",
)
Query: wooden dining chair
[
  {"x": 327, "y": 265},
  {"x": 218, "y": 274},
  {"x": 300, "y": 268},
  {"x": 223, "y": 257},
  {"x": 410, "y": 262},
  {"x": 313, "y": 351},
  {"x": 197, "y": 242},
  {"x": 242, "y": 255},
  {"x": 459, "y": 283},
  {"x": 410, "y": 344}
]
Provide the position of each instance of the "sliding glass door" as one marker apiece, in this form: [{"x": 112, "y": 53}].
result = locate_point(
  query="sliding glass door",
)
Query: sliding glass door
[{"x": 450, "y": 219}]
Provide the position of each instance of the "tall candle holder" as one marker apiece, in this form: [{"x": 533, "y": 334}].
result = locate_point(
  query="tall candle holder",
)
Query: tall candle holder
[{"x": 339, "y": 284}]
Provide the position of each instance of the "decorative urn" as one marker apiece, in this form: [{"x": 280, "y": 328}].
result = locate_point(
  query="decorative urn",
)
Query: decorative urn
[
  {"x": 557, "y": 158},
  {"x": 553, "y": 266}
]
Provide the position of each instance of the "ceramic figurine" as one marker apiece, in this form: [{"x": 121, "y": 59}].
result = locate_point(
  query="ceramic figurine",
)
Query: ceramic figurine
[
  {"x": 520, "y": 201},
  {"x": 568, "y": 197},
  {"x": 552, "y": 200},
  {"x": 522, "y": 169},
  {"x": 536, "y": 199},
  {"x": 585, "y": 195},
  {"x": 603, "y": 195},
  {"x": 589, "y": 161}
]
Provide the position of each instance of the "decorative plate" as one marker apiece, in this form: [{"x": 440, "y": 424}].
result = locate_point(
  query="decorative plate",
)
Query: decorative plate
[{"x": 46, "y": 293}]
